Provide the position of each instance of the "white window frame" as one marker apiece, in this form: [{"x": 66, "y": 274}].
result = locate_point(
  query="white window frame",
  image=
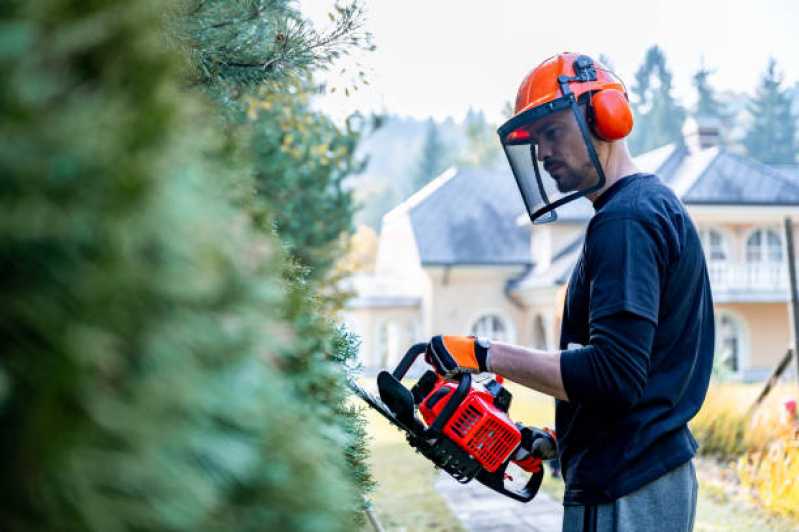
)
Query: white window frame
[
  {"x": 705, "y": 236},
  {"x": 764, "y": 250},
  {"x": 742, "y": 330}
]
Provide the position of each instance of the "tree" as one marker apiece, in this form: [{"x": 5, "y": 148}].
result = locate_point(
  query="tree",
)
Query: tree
[
  {"x": 482, "y": 146},
  {"x": 771, "y": 138},
  {"x": 658, "y": 116},
  {"x": 302, "y": 160},
  {"x": 432, "y": 159},
  {"x": 707, "y": 104},
  {"x": 142, "y": 383},
  {"x": 256, "y": 61}
]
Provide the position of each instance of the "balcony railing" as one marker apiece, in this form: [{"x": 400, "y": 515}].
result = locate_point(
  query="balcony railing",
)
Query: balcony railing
[{"x": 759, "y": 277}]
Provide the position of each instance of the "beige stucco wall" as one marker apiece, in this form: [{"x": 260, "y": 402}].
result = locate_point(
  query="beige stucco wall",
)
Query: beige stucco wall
[
  {"x": 401, "y": 325},
  {"x": 765, "y": 329},
  {"x": 458, "y": 297},
  {"x": 547, "y": 239}
]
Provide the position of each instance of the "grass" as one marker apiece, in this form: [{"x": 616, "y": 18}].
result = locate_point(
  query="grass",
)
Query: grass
[{"x": 405, "y": 499}]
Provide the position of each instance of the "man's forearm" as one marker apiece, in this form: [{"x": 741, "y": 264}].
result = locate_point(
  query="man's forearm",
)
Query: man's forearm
[{"x": 536, "y": 369}]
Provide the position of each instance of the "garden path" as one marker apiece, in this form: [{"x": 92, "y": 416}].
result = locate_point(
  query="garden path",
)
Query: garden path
[{"x": 480, "y": 509}]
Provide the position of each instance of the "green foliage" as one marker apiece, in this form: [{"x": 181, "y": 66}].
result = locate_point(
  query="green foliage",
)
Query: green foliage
[
  {"x": 302, "y": 160},
  {"x": 708, "y": 106},
  {"x": 658, "y": 116},
  {"x": 482, "y": 148},
  {"x": 141, "y": 339},
  {"x": 240, "y": 44},
  {"x": 433, "y": 158},
  {"x": 256, "y": 60},
  {"x": 771, "y": 138}
]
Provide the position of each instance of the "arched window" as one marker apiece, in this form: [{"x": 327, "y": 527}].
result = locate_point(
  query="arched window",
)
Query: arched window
[
  {"x": 491, "y": 326},
  {"x": 714, "y": 245},
  {"x": 764, "y": 245},
  {"x": 730, "y": 344}
]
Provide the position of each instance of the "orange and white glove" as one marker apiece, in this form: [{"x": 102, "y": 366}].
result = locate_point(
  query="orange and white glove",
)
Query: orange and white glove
[{"x": 451, "y": 355}]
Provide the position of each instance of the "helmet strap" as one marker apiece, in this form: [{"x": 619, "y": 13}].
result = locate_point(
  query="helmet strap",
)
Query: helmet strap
[{"x": 563, "y": 81}]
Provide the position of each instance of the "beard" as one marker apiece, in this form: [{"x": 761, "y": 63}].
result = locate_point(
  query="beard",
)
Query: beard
[{"x": 567, "y": 179}]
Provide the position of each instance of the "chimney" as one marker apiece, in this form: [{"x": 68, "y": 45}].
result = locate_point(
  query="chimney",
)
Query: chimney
[{"x": 701, "y": 133}]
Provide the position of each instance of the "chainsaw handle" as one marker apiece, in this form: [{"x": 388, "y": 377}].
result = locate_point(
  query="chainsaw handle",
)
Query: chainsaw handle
[
  {"x": 408, "y": 359},
  {"x": 496, "y": 481},
  {"x": 464, "y": 385}
]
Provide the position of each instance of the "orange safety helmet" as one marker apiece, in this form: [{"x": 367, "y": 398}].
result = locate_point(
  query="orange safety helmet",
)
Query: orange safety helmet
[{"x": 563, "y": 82}]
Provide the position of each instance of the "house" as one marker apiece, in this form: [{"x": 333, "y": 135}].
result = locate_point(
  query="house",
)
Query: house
[{"x": 461, "y": 257}]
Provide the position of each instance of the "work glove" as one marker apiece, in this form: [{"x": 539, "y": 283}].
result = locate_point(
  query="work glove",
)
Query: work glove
[{"x": 451, "y": 355}]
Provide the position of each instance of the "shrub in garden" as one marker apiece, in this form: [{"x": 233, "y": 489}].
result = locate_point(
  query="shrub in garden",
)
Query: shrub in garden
[
  {"x": 720, "y": 426},
  {"x": 771, "y": 471},
  {"x": 256, "y": 60},
  {"x": 141, "y": 383}
]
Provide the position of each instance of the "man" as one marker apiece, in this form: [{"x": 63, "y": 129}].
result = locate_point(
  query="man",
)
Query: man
[{"x": 637, "y": 333}]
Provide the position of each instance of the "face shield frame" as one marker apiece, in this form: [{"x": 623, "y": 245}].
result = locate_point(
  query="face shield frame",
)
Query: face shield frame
[{"x": 546, "y": 213}]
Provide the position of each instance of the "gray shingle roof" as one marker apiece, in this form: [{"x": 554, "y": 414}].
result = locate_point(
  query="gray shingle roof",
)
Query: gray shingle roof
[
  {"x": 732, "y": 179},
  {"x": 470, "y": 219}
]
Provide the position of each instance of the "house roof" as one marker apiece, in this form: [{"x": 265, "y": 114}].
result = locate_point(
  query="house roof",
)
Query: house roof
[
  {"x": 700, "y": 177},
  {"x": 732, "y": 179},
  {"x": 467, "y": 217},
  {"x": 476, "y": 216}
]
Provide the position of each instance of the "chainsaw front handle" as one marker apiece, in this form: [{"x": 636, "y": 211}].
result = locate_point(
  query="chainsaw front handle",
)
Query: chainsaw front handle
[
  {"x": 408, "y": 359},
  {"x": 464, "y": 385}
]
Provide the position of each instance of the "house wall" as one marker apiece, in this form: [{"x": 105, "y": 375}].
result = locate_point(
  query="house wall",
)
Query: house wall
[
  {"x": 765, "y": 335},
  {"x": 385, "y": 332},
  {"x": 398, "y": 254},
  {"x": 459, "y": 296},
  {"x": 546, "y": 240}
]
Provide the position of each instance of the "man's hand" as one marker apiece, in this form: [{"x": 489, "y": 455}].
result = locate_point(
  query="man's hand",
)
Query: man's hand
[{"x": 451, "y": 355}]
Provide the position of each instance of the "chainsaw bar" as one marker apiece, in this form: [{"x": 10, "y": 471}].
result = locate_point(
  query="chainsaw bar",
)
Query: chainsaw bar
[{"x": 378, "y": 405}]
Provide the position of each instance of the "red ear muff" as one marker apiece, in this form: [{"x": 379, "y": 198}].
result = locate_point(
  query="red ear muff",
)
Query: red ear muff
[{"x": 611, "y": 113}]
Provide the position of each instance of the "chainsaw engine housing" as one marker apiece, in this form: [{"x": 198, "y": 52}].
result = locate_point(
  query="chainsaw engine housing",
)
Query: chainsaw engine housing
[{"x": 478, "y": 427}]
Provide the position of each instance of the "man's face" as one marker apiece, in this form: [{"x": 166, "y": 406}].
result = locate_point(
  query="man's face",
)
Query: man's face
[{"x": 562, "y": 150}]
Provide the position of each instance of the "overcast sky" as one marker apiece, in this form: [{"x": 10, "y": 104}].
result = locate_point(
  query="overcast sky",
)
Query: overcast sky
[{"x": 438, "y": 57}]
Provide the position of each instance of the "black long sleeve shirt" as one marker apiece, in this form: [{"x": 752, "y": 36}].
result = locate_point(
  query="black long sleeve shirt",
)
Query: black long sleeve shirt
[{"x": 638, "y": 336}]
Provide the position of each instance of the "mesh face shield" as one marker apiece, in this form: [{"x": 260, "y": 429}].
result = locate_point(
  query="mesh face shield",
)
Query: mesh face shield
[{"x": 552, "y": 156}]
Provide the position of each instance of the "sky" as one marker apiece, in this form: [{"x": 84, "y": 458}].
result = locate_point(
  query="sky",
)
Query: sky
[{"x": 440, "y": 57}]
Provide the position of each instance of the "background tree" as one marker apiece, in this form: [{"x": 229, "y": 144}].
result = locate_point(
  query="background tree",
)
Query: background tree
[
  {"x": 707, "y": 104},
  {"x": 482, "y": 147},
  {"x": 143, "y": 370},
  {"x": 658, "y": 115},
  {"x": 432, "y": 159},
  {"x": 771, "y": 137}
]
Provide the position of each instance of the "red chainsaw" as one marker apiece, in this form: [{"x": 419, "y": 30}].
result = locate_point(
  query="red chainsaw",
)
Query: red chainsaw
[{"x": 465, "y": 428}]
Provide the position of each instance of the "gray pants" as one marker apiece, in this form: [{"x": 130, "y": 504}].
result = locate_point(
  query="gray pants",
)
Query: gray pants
[{"x": 667, "y": 504}]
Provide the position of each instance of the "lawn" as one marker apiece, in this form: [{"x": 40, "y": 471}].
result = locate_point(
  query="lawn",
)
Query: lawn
[{"x": 406, "y": 501}]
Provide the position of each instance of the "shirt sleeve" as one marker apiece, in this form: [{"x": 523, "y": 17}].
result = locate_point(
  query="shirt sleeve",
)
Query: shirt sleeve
[
  {"x": 626, "y": 259},
  {"x": 612, "y": 370}
]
